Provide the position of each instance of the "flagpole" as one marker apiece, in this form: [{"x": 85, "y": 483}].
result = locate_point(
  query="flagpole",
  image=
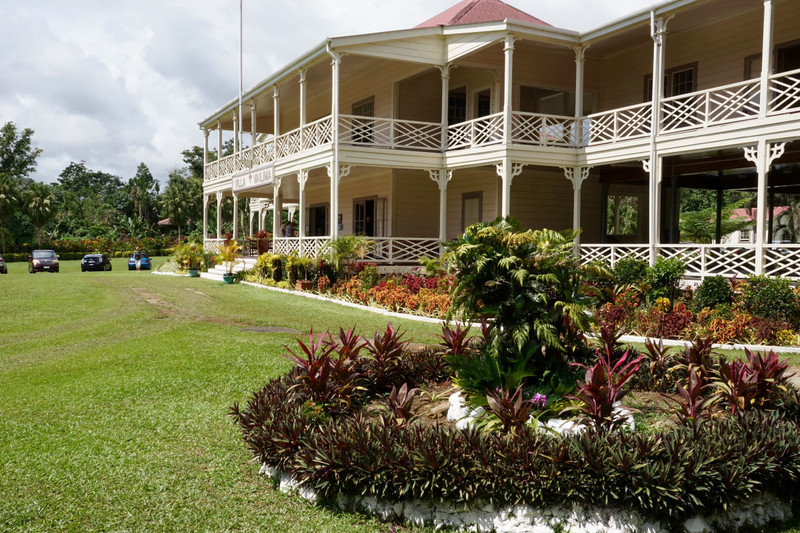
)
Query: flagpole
[{"x": 241, "y": 118}]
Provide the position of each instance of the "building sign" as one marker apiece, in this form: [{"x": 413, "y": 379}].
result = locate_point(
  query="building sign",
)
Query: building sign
[{"x": 251, "y": 180}]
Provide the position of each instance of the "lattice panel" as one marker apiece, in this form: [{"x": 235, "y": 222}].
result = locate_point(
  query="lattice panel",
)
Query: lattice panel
[
  {"x": 289, "y": 144},
  {"x": 263, "y": 153},
  {"x": 226, "y": 165},
  {"x": 612, "y": 253},
  {"x": 692, "y": 257},
  {"x": 314, "y": 246},
  {"x": 211, "y": 171},
  {"x": 683, "y": 112},
  {"x": 729, "y": 261},
  {"x": 785, "y": 92},
  {"x": 735, "y": 102},
  {"x": 487, "y": 130},
  {"x": 317, "y": 133},
  {"x": 400, "y": 250},
  {"x": 417, "y": 135},
  {"x": 782, "y": 261},
  {"x": 458, "y": 136}
]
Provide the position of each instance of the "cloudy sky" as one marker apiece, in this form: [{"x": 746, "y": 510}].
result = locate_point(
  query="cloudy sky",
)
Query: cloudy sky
[{"x": 118, "y": 82}]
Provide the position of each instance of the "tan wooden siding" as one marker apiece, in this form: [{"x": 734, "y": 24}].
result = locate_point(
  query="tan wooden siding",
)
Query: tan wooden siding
[
  {"x": 420, "y": 97},
  {"x": 542, "y": 198},
  {"x": 484, "y": 180},
  {"x": 591, "y": 210},
  {"x": 415, "y": 204}
]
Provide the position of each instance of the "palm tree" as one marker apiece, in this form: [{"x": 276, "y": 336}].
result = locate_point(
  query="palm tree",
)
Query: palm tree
[
  {"x": 177, "y": 201},
  {"x": 39, "y": 205},
  {"x": 9, "y": 202}
]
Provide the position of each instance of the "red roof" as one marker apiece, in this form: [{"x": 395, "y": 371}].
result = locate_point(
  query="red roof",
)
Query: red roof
[
  {"x": 751, "y": 213},
  {"x": 475, "y": 11}
]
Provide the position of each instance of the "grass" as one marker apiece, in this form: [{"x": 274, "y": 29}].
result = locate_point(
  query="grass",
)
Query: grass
[{"x": 114, "y": 389}]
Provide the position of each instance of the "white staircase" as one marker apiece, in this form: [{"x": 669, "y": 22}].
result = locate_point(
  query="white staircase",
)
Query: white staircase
[{"x": 216, "y": 273}]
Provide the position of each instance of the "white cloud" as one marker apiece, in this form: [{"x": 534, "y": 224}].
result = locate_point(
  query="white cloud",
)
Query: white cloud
[{"x": 123, "y": 82}]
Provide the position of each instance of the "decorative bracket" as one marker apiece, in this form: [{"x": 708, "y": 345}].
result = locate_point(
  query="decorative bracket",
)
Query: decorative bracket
[
  {"x": 441, "y": 177},
  {"x": 577, "y": 178},
  {"x": 344, "y": 171},
  {"x": 219, "y": 197},
  {"x": 445, "y": 70},
  {"x": 276, "y": 183},
  {"x": 751, "y": 153},
  {"x": 580, "y": 53},
  {"x": 516, "y": 170},
  {"x": 302, "y": 178},
  {"x": 645, "y": 165}
]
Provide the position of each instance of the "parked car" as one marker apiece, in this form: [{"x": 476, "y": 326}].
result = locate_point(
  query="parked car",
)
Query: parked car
[
  {"x": 3, "y": 267},
  {"x": 145, "y": 262},
  {"x": 95, "y": 262},
  {"x": 42, "y": 261}
]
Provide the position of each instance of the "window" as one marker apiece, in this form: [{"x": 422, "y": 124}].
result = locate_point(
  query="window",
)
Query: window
[
  {"x": 471, "y": 209},
  {"x": 457, "y": 106},
  {"x": 362, "y": 129},
  {"x": 744, "y": 235},
  {"x": 678, "y": 80}
]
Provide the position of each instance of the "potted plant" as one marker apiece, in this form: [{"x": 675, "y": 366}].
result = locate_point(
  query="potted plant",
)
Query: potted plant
[
  {"x": 304, "y": 263},
  {"x": 262, "y": 242},
  {"x": 193, "y": 258},
  {"x": 228, "y": 253}
]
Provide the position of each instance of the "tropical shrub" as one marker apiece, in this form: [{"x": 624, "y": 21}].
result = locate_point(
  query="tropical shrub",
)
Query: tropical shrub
[
  {"x": 663, "y": 278},
  {"x": 770, "y": 298},
  {"x": 713, "y": 291},
  {"x": 631, "y": 271},
  {"x": 529, "y": 285}
]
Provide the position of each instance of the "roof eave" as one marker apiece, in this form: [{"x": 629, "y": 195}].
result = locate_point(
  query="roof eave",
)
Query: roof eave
[{"x": 626, "y": 22}]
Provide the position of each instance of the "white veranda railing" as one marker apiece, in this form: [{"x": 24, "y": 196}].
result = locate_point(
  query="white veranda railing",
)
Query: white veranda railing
[{"x": 390, "y": 133}]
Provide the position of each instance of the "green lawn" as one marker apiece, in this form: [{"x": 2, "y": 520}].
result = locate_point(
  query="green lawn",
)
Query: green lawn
[{"x": 114, "y": 389}]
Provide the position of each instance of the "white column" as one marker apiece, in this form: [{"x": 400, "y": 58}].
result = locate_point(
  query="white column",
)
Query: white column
[
  {"x": 277, "y": 212},
  {"x": 250, "y": 227},
  {"x": 205, "y": 148},
  {"x": 235, "y": 215},
  {"x": 302, "y": 105},
  {"x": 762, "y": 157},
  {"x": 333, "y": 168},
  {"x": 302, "y": 178},
  {"x": 219, "y": 215},
  {"x": 442, "y": 178},
  {"x": 576, "y": 176},
  {"x": 658, "y": 31},
  {"x": 253, "y": 131},
  {"x": 236, "y": 145},
  {"x": 205, "y": 217},
  {"x": 580, "y": 53},
  {"x": 276, "y": 122},
  {"x": 445, "y": 70},
  {"x": 507, "y": 172},
  {"x": 508, "y": 88},
  {"x": 219, "y": 140},
  {"x": 766, "y": 58}
]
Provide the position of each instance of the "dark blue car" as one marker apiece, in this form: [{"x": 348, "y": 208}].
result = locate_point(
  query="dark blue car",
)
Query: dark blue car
[{"x": 145, "y": 262}]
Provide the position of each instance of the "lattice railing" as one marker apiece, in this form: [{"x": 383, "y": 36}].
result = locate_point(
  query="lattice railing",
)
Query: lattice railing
[
  {"x": 785, "y": 92},
  {"x": 263, "y": 153},
  {"x": 211, "y": 246},
  {"x": 481, "y": 131},
  {"x": 390, "y": 133},
  {"x": 612, "y": 253},
  {"x": 317, "y": 133},
  {"x": 719, "y": 105},
  {"x": 617, "y": 125},
  {"x": 313, "y": 246},
  {"x": 782, "y": 260},
  {"x": 546, "y": 130},
  {"x": 288, "y": 144},
  {"x": 400, "y": 250}
]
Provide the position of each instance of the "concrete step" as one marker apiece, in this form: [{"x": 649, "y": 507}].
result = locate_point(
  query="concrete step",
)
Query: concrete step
[{"x": 218, "y": 271}]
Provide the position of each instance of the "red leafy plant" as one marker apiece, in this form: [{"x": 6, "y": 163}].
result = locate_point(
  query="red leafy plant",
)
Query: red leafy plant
[
  {"x": 400, "y": 403},
  {"x": 744, "y": 385},
  {"x": 603, "y": 387},
  {"x": 691, "y": 405}
]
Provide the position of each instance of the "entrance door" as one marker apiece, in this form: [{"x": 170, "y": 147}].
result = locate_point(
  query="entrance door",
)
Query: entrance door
[{"x": 368, "y": 216}]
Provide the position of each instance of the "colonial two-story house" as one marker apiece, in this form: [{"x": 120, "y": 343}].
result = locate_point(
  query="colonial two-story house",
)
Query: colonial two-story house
[{"x": 409, "y": 136}]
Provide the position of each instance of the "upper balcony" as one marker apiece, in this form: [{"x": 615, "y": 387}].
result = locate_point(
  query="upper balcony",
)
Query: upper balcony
[{"x": 683, "y": 114}]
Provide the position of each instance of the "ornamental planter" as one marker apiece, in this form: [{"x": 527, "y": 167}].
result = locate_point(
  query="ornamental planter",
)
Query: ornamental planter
[
  {"x": 194, "y": 273},
  {"x": 228, "y": 278},
  {"x": 304, "y": 285},
  {"x": 262, "y": 245}
]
